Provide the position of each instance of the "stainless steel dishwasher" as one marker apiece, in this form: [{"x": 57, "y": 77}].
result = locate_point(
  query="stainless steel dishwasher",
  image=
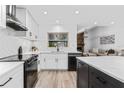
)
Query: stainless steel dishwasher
[{"x": 72, "y": 62}]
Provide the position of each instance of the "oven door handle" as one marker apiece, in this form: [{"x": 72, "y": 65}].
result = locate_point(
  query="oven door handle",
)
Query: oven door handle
[{"x": 32, "y": 62}]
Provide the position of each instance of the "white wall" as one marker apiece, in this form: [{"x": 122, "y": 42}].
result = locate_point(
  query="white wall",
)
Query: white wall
[
  {"x": 89, "y": 14},
  {"x": 9, "y": 44},
  {"x": 93, "y": 40},
  {"x": 70, "y": 28}
]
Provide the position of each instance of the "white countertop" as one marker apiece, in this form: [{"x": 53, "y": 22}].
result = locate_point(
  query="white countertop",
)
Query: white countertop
[
  {"x": 30, "y": 52},
  {"x": 74, "y": 52},
  {"x": 111, "y": 65},
  {"x": 8, "y": 66},
  {"x": 39, "y": 52},
  {"x": 67, "y": 51}
]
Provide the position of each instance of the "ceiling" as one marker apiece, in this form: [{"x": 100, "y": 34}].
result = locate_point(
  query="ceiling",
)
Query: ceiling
[{"x": 89, "y": 15}]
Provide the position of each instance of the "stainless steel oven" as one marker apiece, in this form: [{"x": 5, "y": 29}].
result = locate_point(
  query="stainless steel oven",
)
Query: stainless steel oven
[{"x": 31, "y": 72}]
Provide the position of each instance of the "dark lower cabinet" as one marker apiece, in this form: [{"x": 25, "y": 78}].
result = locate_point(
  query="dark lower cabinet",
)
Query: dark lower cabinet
[
  {"x": 99, "y": 79},
  {"x": 88, "y": 76},
  {"x": 82, "y": 80}
]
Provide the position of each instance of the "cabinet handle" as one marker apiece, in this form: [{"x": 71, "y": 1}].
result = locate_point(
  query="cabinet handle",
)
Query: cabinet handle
[
  {"x": 44, "y": 60},
  {"x": 6, "y": 82},
  {"x": 55, "y": 60},
  {"x": 101, "y": 80}
]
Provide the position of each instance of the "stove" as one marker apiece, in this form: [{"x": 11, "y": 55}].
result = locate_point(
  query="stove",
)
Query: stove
[
  {"x": 30, "y": 67},
  {"x": 15, "y": 58}
]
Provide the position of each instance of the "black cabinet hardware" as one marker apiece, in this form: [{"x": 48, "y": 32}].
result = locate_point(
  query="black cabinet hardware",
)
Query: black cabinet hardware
[
  {"x": 88, "y": 76},
  {"x": 101, "y": 80},
  {"x": 6, "y": 82}
]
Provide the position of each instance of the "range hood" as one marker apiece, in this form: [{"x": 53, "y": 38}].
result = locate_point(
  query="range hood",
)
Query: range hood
[{"x": 12, "y": 21}]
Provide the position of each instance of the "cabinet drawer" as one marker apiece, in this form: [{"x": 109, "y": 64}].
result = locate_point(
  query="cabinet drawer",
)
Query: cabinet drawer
[
  {"x": 12, "y": 79},
  {"x": 62, "y": 56},
  {"x": 99, "y": 79}
]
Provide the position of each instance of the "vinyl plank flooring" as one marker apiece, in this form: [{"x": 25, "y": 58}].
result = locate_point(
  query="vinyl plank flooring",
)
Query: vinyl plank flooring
[{"x": 56, "y": 79}]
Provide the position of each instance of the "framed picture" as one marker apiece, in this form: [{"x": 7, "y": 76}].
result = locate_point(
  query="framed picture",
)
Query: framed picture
[{"x": 107, "y": 39}]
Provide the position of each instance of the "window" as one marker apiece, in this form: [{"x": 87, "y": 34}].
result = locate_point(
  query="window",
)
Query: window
[{"x": 60, "y": 39}]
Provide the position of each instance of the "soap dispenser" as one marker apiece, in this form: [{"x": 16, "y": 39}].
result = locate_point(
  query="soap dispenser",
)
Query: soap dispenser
[{"x": 20, "y": 53}]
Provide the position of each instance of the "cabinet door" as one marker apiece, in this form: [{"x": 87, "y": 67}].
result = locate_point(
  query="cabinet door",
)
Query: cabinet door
[
  {"x": 13, "y": 79},
  {"x": 31, "y": 25},
  {"x": 98, "y": 79},
  {"x": 48, "y": 61},
  {"x": 82, "y": 75},
  {"x": 51, "y": 61},
  {"x": 28, "y": 24},
  {"x": 62, "y": 60},
  {"x": 35, "y": 31},
  {"x": 43, "y": 61},
  {"x": 2, "y": 16}
]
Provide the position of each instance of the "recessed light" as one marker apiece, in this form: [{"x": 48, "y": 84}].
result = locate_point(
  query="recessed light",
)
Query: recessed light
[
  {"x": 112, "y": 22},
  {"x": 45, "y": 12},
  {"x": 57, "y": 21},
  {"x": 95, "y": 22},
  {"x": 77, "y": 12}
]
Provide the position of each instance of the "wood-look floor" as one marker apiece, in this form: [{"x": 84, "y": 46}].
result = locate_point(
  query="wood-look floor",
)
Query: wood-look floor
[{"x": 56, "y": 79}]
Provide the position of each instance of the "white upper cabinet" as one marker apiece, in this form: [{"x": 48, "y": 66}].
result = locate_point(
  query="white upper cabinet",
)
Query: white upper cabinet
[
  {"x": 26, "y": 18},
  {"x": 33, "y": 26},
  {"x": 2, "y": 16}
]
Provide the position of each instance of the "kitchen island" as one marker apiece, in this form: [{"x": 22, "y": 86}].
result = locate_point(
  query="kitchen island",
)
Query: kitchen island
[{"x": 100, "y": 71}]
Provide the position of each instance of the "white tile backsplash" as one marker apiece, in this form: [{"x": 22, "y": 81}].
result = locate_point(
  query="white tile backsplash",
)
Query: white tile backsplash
[{"x": 9, "y": 44}]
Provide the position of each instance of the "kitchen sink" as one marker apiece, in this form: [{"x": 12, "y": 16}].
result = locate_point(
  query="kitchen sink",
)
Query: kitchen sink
[{"x": 57, "y": 52}]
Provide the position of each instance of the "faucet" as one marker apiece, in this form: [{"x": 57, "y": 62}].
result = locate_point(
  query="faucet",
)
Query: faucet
[{"x": 57, "y": 47}]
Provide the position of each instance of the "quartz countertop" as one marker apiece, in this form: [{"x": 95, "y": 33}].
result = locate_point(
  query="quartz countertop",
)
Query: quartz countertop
[
  {"x": 40, "y": 52},
  {"x": 110, "y": 65},
  {"x": 31, "y": 52},
  {"x": 74, "y": 52},
  {"x": 8, "y": 66}
]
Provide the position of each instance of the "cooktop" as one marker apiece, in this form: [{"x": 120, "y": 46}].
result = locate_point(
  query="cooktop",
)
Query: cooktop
[{"x": 15, "y": 58}]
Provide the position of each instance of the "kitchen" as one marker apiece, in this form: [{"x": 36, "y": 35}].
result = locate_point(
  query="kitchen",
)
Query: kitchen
[{"x": 47, "y": 47}]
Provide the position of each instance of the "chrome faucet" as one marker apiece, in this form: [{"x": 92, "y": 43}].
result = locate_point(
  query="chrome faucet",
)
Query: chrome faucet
[{"x": 57, "y": 46}]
